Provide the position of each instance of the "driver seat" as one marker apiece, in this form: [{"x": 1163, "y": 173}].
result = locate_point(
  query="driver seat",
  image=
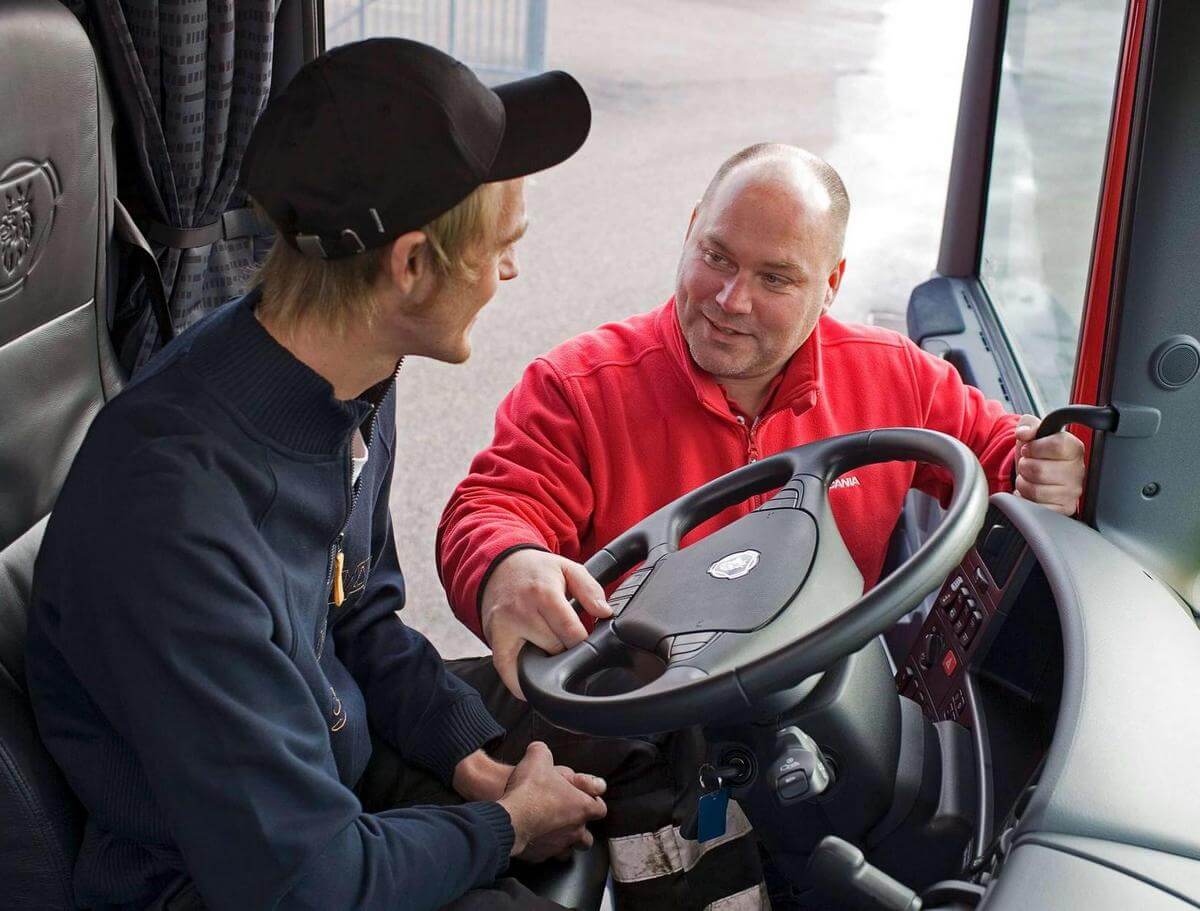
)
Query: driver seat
[{"x": 57, "y": 369}]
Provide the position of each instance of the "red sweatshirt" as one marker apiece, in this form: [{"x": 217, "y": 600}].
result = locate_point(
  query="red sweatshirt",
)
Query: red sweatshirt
[{"x": 617, "y": 422}]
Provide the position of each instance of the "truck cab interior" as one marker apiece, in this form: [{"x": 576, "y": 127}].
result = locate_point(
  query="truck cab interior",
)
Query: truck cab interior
[{"x": 1007, "y": 721}]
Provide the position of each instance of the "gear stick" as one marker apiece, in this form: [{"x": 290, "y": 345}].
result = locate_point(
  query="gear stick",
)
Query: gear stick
[{"x": 841, "y": 872}]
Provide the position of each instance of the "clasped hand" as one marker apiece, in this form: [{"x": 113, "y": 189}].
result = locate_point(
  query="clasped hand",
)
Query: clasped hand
[{"x": 550, "y": 806}]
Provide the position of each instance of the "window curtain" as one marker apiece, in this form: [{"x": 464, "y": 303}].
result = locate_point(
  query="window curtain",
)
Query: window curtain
[{"x": 189, "y": 79}]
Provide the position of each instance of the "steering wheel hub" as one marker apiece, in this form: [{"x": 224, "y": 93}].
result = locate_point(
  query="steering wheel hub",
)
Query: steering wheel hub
[{"x": 683, "y": 594}]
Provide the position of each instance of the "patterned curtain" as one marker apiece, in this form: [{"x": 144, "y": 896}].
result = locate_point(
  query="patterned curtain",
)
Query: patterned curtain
[{"x": 189, "y": 79}]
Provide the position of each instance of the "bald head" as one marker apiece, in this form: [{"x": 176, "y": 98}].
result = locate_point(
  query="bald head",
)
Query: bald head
[{"x": 811, "y": 178}]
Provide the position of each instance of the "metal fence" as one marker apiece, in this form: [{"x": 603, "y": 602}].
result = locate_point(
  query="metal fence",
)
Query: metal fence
[{"x": 496, "y": 38}]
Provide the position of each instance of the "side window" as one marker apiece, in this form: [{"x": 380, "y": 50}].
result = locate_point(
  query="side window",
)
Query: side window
[
  {"x": 1056, "y": 88},
  {"x": 498, "y": 39}
]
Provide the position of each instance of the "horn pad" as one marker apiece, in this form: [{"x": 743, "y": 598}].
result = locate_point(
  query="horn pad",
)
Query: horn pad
[{"x": 735, "y": 580}]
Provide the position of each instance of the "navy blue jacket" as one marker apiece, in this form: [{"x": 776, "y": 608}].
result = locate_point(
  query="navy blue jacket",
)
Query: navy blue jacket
[{"x": 190, "y": 674}]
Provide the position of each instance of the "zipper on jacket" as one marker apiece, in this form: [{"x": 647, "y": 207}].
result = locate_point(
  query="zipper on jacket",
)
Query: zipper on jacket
[
  {"x": 335, "y": 551},
  {"x": 337, "y": 557},
  {"x": 756, "y": 500},
  {"x": 339, "y": 564},
  {"x": 752, "y": 452}
]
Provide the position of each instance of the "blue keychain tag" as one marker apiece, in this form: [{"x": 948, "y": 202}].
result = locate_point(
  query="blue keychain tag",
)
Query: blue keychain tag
[{"x": 711, "y": 821}]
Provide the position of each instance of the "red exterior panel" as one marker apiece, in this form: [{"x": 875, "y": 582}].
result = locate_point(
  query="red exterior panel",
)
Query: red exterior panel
[{"x": 1097, "y": 305}]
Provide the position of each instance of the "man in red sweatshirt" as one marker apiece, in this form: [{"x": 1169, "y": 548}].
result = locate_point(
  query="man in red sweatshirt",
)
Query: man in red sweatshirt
[{"x": 743, "y": 361}]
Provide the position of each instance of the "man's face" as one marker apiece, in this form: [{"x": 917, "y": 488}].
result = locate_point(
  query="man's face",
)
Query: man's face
[
  {"x": 757, "y": 271},
  {"x": 448, "y": 317}
]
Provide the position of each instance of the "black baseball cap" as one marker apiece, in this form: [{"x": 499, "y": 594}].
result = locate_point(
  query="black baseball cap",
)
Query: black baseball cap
[{"x": 379, "y": 137}]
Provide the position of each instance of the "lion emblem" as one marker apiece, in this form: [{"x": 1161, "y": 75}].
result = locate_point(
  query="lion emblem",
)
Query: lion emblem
[
  {"x": 29, "y": 195},
  {"x": 16, "y": 228}
]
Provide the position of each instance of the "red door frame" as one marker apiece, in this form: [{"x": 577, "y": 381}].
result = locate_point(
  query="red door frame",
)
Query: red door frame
[{"x": 1098, "y": 300}]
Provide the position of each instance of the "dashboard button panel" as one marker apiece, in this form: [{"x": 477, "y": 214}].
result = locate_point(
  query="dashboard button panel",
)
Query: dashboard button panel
[{"x": 961, "y": 623}]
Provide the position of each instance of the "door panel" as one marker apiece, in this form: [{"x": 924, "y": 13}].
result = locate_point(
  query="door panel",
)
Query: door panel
[{"x": 950, "y": 317}]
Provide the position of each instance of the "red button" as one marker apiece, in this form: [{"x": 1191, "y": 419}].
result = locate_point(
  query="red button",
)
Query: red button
[{"x": 949, "y": 662}]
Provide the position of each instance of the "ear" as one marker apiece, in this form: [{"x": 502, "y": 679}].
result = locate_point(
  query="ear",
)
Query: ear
[
  {"x": 408, "y": 263},
  {"x": 692, "y": 221},
  {"x": 834, "y": 284}
]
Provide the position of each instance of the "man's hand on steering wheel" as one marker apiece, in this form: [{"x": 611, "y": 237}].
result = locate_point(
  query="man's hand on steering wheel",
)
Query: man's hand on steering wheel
[{"x": 527, "y": 600}]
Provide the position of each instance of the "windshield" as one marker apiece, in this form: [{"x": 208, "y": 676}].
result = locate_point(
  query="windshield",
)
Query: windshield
[
  {"x": 676, "y": 86},
  {"x": 1056, "y": 89}
]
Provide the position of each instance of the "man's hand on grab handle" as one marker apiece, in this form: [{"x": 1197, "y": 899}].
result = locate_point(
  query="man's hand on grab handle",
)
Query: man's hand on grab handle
[
  {"x": 526, "y": 600},
  {"x": 550, "y": 806},
  {"x": 1049, "y": 470}
]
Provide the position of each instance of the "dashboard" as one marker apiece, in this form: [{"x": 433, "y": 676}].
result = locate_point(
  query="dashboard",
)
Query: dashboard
[
  {"x": 989, "y": 658},
  {"x": 1084, "y": 751},
  {"x": 965, "y": 618}
]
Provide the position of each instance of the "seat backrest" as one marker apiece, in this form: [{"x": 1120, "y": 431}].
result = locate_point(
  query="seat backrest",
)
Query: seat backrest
[{"x": 56, "y": 370}]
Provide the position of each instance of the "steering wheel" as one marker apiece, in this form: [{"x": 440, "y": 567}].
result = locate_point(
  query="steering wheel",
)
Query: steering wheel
[{"x": 709, "y": 632}]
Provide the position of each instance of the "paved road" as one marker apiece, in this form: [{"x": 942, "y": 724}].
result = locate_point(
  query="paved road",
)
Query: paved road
[{"x": 676, "y": 86}]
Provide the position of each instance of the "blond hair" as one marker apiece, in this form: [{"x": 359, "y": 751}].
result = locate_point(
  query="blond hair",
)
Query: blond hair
[{"x": 337, "y": 292}]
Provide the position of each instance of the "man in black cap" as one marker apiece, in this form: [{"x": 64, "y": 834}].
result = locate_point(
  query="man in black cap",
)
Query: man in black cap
[{"x": 213, "y": 643}]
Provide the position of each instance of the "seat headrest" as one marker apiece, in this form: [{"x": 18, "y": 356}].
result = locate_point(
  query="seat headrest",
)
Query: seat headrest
[{"x": 56, "y": 185}]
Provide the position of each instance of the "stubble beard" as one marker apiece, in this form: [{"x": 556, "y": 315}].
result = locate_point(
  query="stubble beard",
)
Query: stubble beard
[{"x": 723, "y": 367}]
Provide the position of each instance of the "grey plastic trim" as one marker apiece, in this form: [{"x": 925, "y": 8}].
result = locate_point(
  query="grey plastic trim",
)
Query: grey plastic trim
[
  {"x": 1039, "y": 877},
  {"x": 1155, "y": 299},
  {"x": 1176, "y": 875},
  {"x": 578, "y": 882},
  {"x": 1121, "y": 765},
  {"x": 974, "y": 344},
  {"x": 983, "y": 341}
]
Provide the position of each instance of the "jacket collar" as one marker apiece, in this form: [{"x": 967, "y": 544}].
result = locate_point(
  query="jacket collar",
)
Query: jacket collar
[
  {"x": 277, "y": 394},
  {"x": 798, "y": 389}
]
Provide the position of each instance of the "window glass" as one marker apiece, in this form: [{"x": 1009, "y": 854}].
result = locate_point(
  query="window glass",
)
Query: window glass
[
  {"x": 1056, "y": 89},
  {"x": 498, "y": 39}
]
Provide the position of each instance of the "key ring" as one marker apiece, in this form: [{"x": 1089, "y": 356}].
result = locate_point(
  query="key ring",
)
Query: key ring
[{"x": 710, "y": 778}]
